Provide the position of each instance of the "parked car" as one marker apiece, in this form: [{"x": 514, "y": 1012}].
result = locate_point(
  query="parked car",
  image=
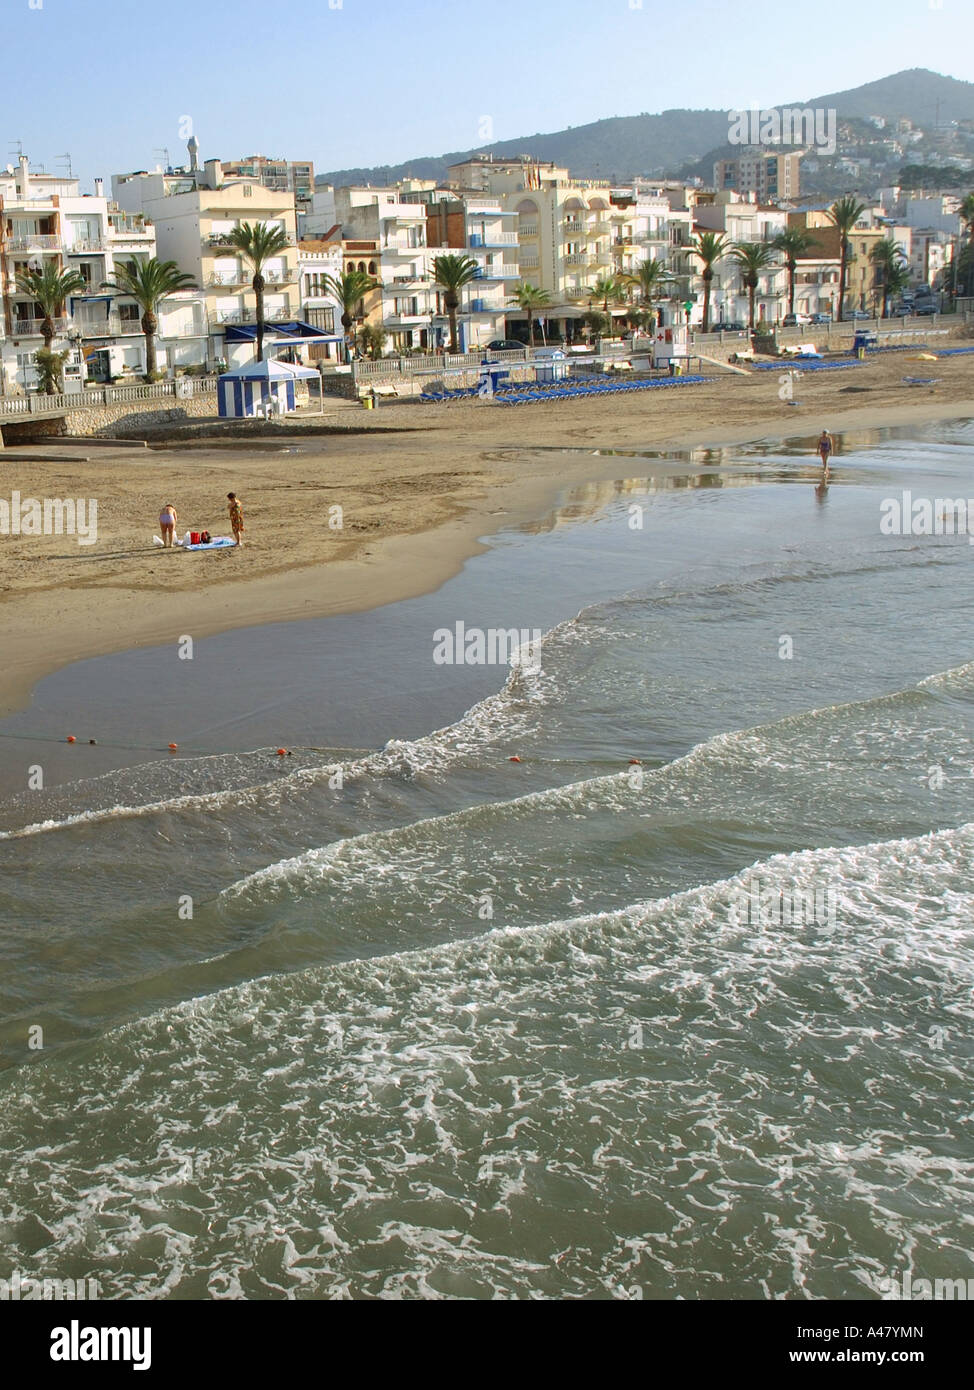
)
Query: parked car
[
  {"x": 795, "y": 320},
  {"x": 505, "y": 345},
  {"x": 820, "y": 318},
  {"x": 860, "y": 314},
  {"x": 901, "y": 311},
  {"x": 732, "y": 326},
  {"x": 925, "y": 308}
]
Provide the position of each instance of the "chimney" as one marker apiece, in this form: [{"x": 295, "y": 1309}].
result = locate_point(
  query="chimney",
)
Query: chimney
[
  {"x": 23, "y": 178},
  {"x": 213, "y": 174},
  {"x": 99, "y": 188}
]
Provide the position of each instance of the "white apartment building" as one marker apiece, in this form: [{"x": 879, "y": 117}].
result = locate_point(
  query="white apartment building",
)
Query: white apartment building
[
  {"x": 44, "y": 218},
  {"x": 193, "y": 213},
  {"x": 482, "y": 229},
  {"x": 572, "y": 233},
  {"x": 741, "y": 220},
  {"x": 382, "y": 217},
  {"x": 321, "y": 261}
]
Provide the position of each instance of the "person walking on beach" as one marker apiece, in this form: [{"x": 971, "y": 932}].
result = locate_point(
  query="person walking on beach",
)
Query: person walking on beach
[
  {"x": 167, "y": 523},
  {"x": 825, "y": 448},
  {"x": 236, "y": 517}
]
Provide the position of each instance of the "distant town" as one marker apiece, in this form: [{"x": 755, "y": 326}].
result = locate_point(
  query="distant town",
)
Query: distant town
[{"x": 502, "y": 253}]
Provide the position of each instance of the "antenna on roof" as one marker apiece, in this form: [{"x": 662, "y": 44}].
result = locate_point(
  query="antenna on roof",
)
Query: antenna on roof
[
  {"x": 65, "y": 159},
  {"x": 163, "y": 150}
]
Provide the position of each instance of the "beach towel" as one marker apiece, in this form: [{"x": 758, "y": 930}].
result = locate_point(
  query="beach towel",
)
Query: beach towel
[{"x": 217, "y": 543}]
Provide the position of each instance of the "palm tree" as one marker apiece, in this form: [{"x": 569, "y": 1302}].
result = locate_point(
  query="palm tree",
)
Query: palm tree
[
  {"x": 752, "y": 257},
  {"x": 50, "y": 286},
  {"x": 605, "y": 288},
  {"x": 793, "y": 243},
  {"x": 257, "y": 242},
  {"x": 530, "y": 298},
  {"x": 650, "y": 279},
  {"x": 451, "y": 273},
  {"x": 892, "y": 272},
  {"x": 708, "y": 248},
  {"x": 844, "y": 214},
  {"x": 148, "y": 283},
  {"x": 349, "y": 289}
]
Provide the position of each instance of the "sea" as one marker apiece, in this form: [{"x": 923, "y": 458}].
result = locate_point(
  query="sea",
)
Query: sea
[{"x": 640, "y": 967}]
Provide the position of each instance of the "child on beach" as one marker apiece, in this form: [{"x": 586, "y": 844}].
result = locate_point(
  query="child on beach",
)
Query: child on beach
[
  {"x": 167, "y": 523},
  {"x": 236, "y": 517}
]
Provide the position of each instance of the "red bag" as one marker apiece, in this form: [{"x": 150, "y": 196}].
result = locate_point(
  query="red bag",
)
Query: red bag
[{"x": 194, "y": 537}]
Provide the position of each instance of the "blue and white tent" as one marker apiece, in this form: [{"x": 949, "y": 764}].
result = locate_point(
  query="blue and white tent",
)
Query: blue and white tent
[{"x": 248, "y": 390}]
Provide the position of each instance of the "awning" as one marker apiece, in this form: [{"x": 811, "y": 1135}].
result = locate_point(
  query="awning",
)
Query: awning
[{"x": 293, "y": 331}]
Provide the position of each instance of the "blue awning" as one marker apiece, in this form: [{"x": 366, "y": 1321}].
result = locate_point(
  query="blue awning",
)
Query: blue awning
[{"x": 293, "y": 331}]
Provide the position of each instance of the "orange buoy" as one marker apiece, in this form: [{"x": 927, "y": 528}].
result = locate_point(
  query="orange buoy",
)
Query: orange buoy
[
  {"x": 173, "y": 747},
  {"x": 638, "y": 762},
  {"x": 72, "y": 739},
  {"x": 515, "y": 759},
  {"x": 282, "y": 752}
]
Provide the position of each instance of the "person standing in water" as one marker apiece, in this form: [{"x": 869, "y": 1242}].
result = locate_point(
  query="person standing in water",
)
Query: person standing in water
[
  {"x": 167, "y": 523},
  {"x": 825, "y": 448},
  {"x": 236, "y": 517}
]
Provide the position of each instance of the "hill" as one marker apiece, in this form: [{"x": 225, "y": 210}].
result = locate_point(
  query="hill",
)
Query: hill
[{"x": 622, "y": 146}]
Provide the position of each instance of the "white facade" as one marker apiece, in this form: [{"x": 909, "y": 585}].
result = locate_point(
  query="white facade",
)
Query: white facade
[{"x": 399, "y": 228}]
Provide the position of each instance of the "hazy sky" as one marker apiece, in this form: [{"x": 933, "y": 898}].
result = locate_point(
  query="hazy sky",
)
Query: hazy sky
[{"x": 361, "y": 82}]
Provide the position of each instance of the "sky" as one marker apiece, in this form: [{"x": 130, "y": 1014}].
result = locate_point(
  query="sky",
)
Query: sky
[{"x": 362, "y": 82}]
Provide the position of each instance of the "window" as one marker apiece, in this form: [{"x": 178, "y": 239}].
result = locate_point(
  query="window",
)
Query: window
[
  {"x": 248, "y": 190},
  {"x": 129, "y": 313}
]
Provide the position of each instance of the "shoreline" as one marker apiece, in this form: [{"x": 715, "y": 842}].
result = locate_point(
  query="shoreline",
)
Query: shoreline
[{"x": 427, "y": 538}]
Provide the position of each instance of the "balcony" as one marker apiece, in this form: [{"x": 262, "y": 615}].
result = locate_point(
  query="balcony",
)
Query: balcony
[
  {"x": 31, "y": 328},
  {"x": 573, "y": 224},
  {"x": 405, "y": 320},
  {"x": 493, "y": 239},
  {"x": 529, "y": 263},
  {"x": 34, "y": 241},
  {"x": 228, "y": 282},
  {"x": 577, "y": 258},
  {"x": 83, "y": 246},
  {"x": 223, "y": 317},
  {"x": 600, "y": 228},
  {"x": 528, "y": 229},
  {"x": 280, "y": 277},
  {"x": 409, "y": 280},
  {"x": 602, "y": 259},
  {"x": 106, "y": 326},
  {"x": 578, "y": 291}
]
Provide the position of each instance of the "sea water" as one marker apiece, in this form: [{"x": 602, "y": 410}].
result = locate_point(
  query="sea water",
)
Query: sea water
[{"x": 676, "y": 1005}]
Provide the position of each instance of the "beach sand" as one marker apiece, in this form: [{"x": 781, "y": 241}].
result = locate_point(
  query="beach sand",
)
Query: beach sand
[{"x": 414, "y": 504}]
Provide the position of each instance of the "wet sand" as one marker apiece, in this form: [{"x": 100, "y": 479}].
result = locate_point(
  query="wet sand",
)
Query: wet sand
[{"x": 414, "y": 504}]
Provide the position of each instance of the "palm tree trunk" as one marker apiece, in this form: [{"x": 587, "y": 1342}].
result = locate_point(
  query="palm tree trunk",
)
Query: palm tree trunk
[
  {"x": 531, "y": 327},
  {"x": 149, "y": 326},
  {"x": 258, "y": 286},
  {"x": 706, "y": 305},
  {"x": 791, "y": 288},
  {"x": 750, "y": 307},
  {"x": 454, "y": 345},
  {"x": 842, "y": 275}
]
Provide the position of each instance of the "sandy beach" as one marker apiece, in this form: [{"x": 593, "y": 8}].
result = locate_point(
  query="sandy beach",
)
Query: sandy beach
[{"x": 413, "y": 503}]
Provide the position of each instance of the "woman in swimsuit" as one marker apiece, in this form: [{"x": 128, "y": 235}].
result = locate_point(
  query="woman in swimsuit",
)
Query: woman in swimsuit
[{"x": 167, "y": 521}]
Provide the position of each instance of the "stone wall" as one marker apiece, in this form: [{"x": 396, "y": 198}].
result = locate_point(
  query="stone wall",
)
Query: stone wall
[{"x": 131, "y": 417}]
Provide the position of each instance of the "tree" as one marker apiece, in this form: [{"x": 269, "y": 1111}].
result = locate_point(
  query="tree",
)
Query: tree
[
  {"x": 530, "y": 298},
  {"x": 605, "y": 288},
  {"x": 50, "y": 287},
  {"x": 372, "y": 340},
  {"x": 148, "y": 283},
  {"x": 844, "y": 214},
  {"x": 892, "y": 270},
  {"x": 50, "y": 369},
  {"x": 257, "y": 242},
  {"x": 349, "y": 289},
  {"x": 793, "y": 243},
  {"x": 752, "y": 257},
  {"x": 708, "y": 248},
  {"x": 596, "y": 323},
  {"x": 451, "y": 273},
  {"x": 649, "y": 280},
  {"x": 966, "y": 211}
]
